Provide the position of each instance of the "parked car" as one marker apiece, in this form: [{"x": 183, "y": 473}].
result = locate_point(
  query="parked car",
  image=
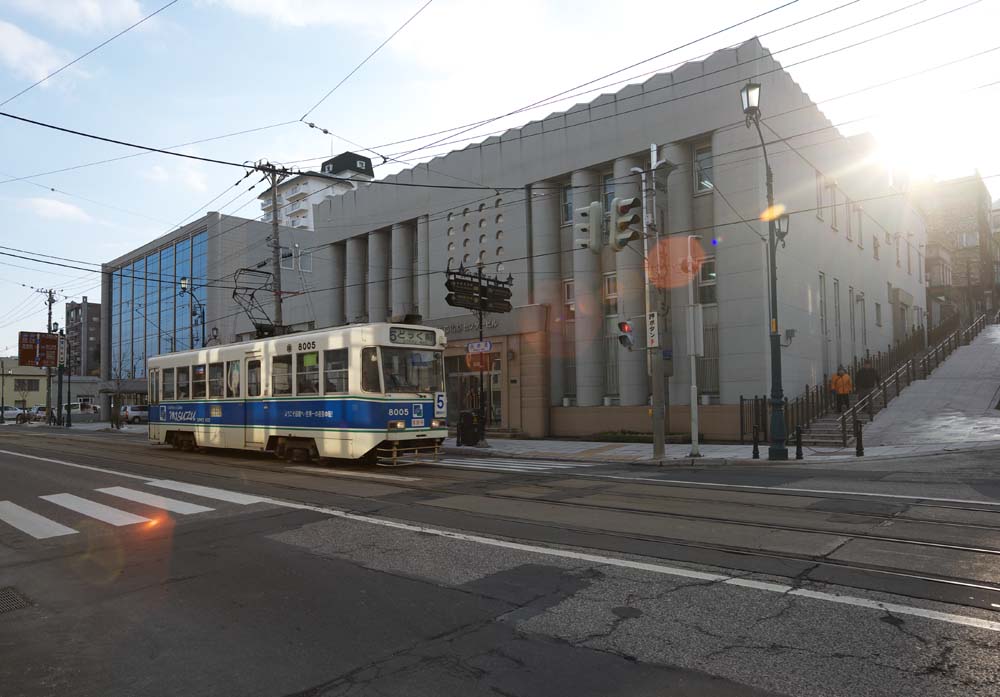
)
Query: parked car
[
  {"x": 37, "y": 413},
  {"x": 135, "y": 413},
  {"x": 13, "y": 414}
]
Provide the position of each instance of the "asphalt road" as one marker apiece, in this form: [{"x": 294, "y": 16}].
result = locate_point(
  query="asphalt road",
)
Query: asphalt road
[{"x": 129, "y": 569}]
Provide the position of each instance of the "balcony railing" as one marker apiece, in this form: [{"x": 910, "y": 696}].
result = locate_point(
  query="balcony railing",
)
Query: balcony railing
[{"x": 297, "y": 192}]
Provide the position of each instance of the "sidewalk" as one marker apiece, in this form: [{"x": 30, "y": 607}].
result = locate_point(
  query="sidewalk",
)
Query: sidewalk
[
  {"x": 955, "y": 404},
  {"x": 642, "y": 453}
]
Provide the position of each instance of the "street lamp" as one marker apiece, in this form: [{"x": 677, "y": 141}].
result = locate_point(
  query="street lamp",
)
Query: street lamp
[
  {"x": 185, "y": 288},
  {"x": 777, "y": 230}
]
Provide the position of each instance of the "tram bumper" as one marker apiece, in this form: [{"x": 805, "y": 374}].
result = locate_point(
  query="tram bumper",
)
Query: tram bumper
[{"x": 404, "y": 447}]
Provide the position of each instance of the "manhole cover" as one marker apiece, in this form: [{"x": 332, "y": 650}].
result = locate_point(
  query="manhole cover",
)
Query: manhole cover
[{"x": 11, "y": 600}]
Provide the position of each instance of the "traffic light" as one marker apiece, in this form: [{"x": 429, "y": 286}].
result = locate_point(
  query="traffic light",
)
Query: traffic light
[
  {"x": 626, "y": 338},
  {"x": 623, "y": 217},
  {"x": 587, "y": 224}
]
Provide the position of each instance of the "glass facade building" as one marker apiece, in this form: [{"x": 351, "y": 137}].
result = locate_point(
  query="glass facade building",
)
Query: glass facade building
[{"x": 149, "y": 315}]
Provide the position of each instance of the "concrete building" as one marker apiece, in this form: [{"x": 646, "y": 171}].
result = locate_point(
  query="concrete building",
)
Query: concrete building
[
  {"x": 961, "y": 245},
  {"x": 83, "y": 335},
  {"x": 23, "y": 386},
  {"x": 297, "y": 195},
  {"x": 850, "y": 278}
]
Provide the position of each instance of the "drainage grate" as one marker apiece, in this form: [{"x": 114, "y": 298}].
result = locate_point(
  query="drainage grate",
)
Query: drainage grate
[{"x": 11, "y": 600}]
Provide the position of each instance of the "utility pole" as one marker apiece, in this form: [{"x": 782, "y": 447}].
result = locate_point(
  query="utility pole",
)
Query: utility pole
[
  {"x": 274, "y": 177},
  {"x": 50, "y": 300}
]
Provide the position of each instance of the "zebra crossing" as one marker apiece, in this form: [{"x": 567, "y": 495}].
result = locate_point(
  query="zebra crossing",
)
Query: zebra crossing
[
  {"x": 512, "y": 464},
  {"x": 53, "y": 515}
]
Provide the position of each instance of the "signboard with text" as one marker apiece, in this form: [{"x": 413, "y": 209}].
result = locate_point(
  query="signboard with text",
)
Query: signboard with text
[{"x": 38, "y": 349}]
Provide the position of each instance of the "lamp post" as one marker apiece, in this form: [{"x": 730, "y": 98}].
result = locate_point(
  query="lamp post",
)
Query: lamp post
[
  {"x": 777, "y": 229},
  {"x": 185, "y": 288}
]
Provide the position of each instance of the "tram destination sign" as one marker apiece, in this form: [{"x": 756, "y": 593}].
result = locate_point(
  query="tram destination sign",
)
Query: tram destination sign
[{"x": 38, "y": 349}]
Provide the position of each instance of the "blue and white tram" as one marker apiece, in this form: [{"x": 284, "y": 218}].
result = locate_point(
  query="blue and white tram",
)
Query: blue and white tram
[{"x": 372, "y": 392}]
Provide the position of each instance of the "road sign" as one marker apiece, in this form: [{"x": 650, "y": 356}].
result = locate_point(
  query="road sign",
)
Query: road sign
[
  {"x": 62, "y": 352},
  {"x": 38, "y": 349},
  {"x": 497, "y": 293},
  {"x": 479, "y": 346},
  {"x": 464, "y": 286},
  {"x": 469, "y": 302},
  {"x": 652, "y": 330}
]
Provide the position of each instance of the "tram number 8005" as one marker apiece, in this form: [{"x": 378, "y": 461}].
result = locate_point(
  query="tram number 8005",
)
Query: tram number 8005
[
  {"x": 306, "y": 345},
  {"x": 399, "y": 412}
]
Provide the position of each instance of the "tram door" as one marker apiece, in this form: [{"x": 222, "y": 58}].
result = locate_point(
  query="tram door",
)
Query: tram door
[{"x": 253, "y": 409}]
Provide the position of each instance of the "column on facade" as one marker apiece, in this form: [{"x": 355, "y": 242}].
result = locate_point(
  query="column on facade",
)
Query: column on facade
[
  {"x": 633, "y": 382},
  {"x": 679, "y": 217},
  {"x": 354, "y": 295},
  {"x": 589, "y": 302},
  {"x": 423, "y": 300},
  {"x": 338, "y": 263},
  {"x": 378, "y": 276},
  {"x": 545, "y": 222},
  {"x": 401, "y": 269}
]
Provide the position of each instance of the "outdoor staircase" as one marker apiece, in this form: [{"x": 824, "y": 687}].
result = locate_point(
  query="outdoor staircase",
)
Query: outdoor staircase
[{"x": 814, "y": 411}]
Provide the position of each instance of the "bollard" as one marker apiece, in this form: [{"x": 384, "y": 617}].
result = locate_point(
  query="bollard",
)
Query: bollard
[
  {"x": 859, "y": 446},
  {"x": 756, "y": 443},
  {"x": 798, "y": 442}
]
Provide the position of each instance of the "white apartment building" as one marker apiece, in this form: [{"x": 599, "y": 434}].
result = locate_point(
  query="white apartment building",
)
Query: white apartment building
[{"x": 298, "y": 194}]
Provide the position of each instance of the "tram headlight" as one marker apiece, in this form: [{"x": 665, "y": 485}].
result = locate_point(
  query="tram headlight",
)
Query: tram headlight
[
  {"x": 438, "y": 423},
  {"x": 397, "y": 425}
]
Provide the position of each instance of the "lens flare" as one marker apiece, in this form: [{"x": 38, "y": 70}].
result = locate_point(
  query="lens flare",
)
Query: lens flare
[{"x": 772, "y": 213}]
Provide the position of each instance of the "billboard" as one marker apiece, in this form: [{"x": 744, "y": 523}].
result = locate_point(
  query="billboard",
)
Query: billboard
[{"x": 38, "y": 349}]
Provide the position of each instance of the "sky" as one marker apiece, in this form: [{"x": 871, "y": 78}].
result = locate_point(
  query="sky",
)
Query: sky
[{"x": 207, "y": 68}]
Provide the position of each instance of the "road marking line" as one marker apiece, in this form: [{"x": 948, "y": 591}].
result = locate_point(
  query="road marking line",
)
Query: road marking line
[
  {"x": 33, "y": 524},
  {"x": 92, "y": 509},
  {"x": 801, "y": 491},
  {"x": 73, "y": 464},
  {"x": 855, "y": 601},
  {"x": 527, "y": 463},
  {"x": 481, "y": 468},
  {"x": 895, "y": 608},
  {"x": 155, "y": 500},
  {"x": 206, "y": 491},
  {"x": 341, "y": 473}
]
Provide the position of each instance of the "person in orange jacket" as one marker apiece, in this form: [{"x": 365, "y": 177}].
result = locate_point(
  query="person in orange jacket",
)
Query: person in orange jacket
[{"x": 841, "y": 386}]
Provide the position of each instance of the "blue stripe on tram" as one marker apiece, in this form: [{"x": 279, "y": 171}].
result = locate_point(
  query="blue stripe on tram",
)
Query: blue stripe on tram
[{"x": 292, "y": 413}]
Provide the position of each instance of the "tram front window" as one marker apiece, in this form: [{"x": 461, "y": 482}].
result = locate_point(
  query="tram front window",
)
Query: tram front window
[{"x": 412, "y": 370}]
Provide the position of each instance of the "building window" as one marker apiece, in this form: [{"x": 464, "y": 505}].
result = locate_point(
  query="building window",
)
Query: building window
[
  {"x": 305, "y": 261},
  {"x": 899, "y": 258},
  {"x": 859, "y": 230},
  {"x": 878, "y": 314},
  {"x": 707, "y": 294},
  {"x": 233, "y": 387},
  {"x": 25, "y": 385},
  {"x": 820, "y": 185},
  {"x": 864, "y": 320},
  {"x": 610, "y": 291},
  {"x": 567, "y": 203},
  {"x": 703, "y": 179},
  {"x": 909, "y": 262},
  {"x": 215, "y": 379},
  {"x": 199, "y": 382},
  {"x": 833, "y": 206},
  {"x": 569, "y": 301},
  {"x": 849, "y": 231},
  {"x": 183, "y": 383},
  {"x": 850, "y": 301},
  {"x": 168, "y": 384},
  {"x": 253, "y": 378},
  {"x": 875, "y": 246},
  {"x": 287, "y": 258},
  {"x": 370, "y": 375},
  {"x": 920, "y": 268},
  {"x": 608, "y": 184}
]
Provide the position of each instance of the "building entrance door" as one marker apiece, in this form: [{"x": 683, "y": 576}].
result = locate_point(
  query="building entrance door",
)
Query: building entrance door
[{"x": 464, "y": 387}]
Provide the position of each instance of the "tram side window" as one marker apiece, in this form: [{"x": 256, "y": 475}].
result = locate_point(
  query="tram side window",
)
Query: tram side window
[
  {"x": 198, "y": 382},
  {"x": 154, "y": 386},
  {"x": 281, "y": 375},
  {"x": 253, "y": 378},
  {"x": 233, "y": 379},
  {"x": 369, "y": 370},
  {"x": 183, "y": 383},
  {"x": 307, "y": 373},
  {"x": 215, "y": 379},
  {"x": 168, "y": 384},
  {"x": 335, "y": 371}
]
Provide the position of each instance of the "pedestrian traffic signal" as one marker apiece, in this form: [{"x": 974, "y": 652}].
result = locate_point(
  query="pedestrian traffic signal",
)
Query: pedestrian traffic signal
[
  {"x": 626, "y": 337},
  {"x": 587, "y": 223},
  {"x": 623, "y": 218}
]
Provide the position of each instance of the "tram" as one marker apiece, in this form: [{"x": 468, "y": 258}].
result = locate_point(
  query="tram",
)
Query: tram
[{"x": 365, "y": 392}]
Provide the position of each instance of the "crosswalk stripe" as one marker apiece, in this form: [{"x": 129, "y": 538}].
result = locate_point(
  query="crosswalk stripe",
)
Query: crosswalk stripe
[
  {"x": 206, "y": 491},
  {"x": 155, "y": 500},
  {"x": 92, "y": 509},
  {"x": 33, "y": 524}
]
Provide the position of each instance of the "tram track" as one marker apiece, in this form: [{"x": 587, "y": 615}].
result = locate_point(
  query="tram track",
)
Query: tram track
[{"x": 976, "y": 592}]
